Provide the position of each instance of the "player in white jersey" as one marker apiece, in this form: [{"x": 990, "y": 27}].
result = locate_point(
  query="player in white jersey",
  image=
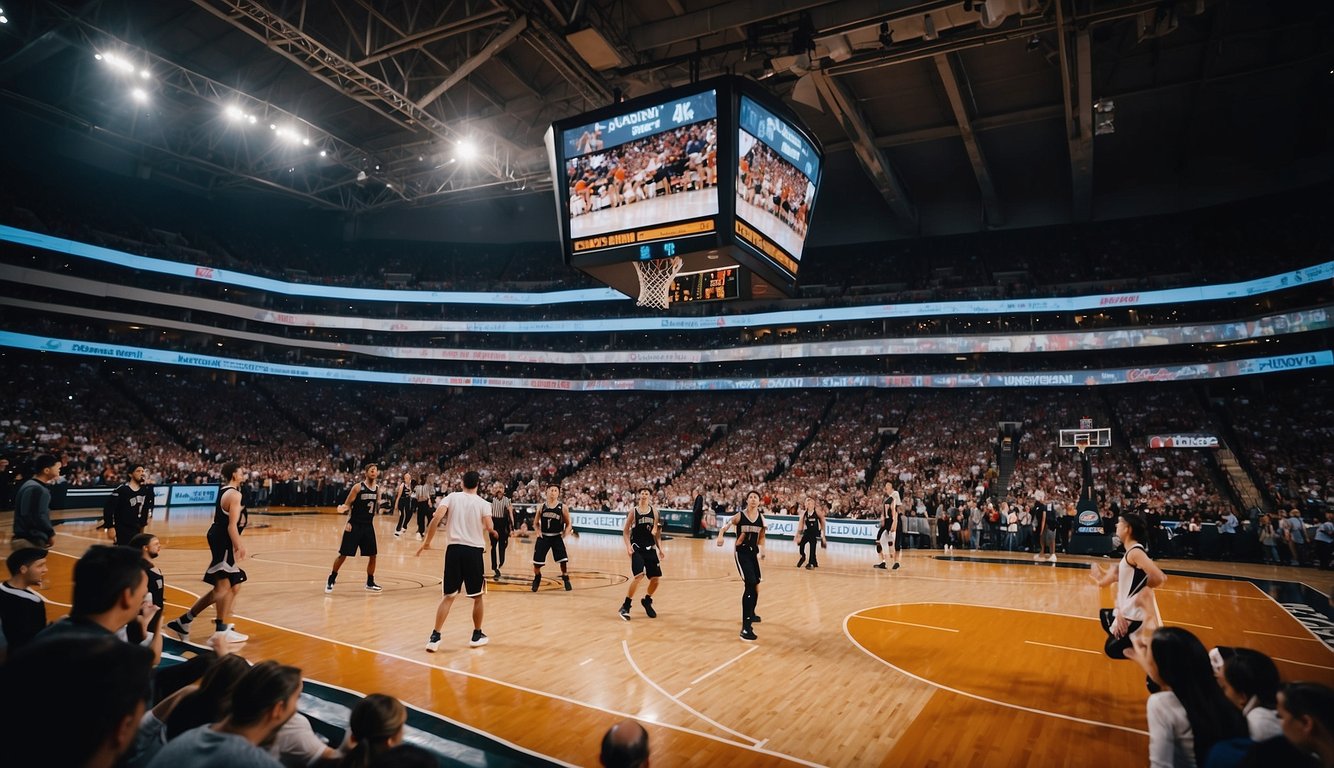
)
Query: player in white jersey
[
  {"x": 1135, "y": 577},
  {"x": 468, "y": 528}
]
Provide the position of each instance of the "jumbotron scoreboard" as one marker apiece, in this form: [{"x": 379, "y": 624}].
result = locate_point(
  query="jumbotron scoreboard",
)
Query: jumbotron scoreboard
[{"x": 718, "y": 172}]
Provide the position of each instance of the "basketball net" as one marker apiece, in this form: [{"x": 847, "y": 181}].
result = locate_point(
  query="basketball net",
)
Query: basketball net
[{"x": 655, "y": 281}]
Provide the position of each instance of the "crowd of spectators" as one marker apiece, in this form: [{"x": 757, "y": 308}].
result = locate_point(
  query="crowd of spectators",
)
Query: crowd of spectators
[
  {"x": 305, "y": 442},
  {"x": 1286, "y": 432}
]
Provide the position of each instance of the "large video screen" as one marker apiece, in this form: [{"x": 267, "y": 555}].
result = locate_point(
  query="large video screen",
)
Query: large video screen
[
  {"x": 650, "y": 166},
  {"x": 778, "y": 170}
]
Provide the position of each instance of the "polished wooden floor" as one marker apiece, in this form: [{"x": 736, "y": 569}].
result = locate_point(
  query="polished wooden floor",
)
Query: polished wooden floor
[{"x": 942, "y": 663}]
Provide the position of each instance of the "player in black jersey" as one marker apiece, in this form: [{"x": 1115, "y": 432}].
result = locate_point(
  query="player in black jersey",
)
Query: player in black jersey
[
  {"x": 126, "y": 512},
  {"x": 643, "y": 543},
  {"x": 403, "y": 503},
  {"x": 750, "y": 529},
  {"x": 363, "y": 501},
  {"x": 225, "y": 550},
  {"x": 889, "y": 526},
  {"x": 553, "y": 522},
  {"x": 811, "y": 526}
]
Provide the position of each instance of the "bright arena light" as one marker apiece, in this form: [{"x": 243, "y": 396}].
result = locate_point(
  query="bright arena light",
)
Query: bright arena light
[
  {"x": 466, "y": 150},
  {"x": 139, "y": 95},
  {"x": 112, "y": 60},
  {"x": 234, "y": 112},
  {"x": 143, "y": 73}
]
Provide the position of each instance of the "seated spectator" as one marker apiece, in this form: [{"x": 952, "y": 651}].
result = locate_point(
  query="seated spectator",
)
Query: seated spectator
[
  {"x": 110, "y": 591},
  {"x": 374, "y": 728},
  {"x": 73, "y": 701},
  {"x": 1250, "y": 680},
  {"x": 211, "y": 700},
  {"x": 22, "y": 610},
  {"x": 1189, "y": 714},
  {"x": 625, "y": 745},
  {"x": 264, "y": 699},
  {"x": 1307, "y": 712},
  {"x": 296, "y": 745}
]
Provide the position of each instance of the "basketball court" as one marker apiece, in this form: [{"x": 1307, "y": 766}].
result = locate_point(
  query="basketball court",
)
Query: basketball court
[
  {"x": 781, "y": 233},
  {"x": 971, "y": 659}
]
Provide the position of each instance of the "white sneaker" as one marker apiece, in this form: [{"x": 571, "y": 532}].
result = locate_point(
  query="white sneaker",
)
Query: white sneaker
[
  {"x": 1052, "y": 559},
  {"x": 397, "y": 534},
  {"x": 230, "y": 635}
]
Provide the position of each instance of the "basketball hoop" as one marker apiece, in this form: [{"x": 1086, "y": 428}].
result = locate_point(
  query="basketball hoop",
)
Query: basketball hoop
[{"x": 655, "y": 281}]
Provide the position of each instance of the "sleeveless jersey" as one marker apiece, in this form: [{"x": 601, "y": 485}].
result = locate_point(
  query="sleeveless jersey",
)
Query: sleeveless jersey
[
  {"x": 220, "y": 517},
  {"x": 365, "y": 505},
  {"x": 748, "y": 531},
  {"x": 551, "y": 520},
  {"x": 812, "y": 523},
  {"x": 1130, "y": 581},
  {"x": 641, "y": 530}
]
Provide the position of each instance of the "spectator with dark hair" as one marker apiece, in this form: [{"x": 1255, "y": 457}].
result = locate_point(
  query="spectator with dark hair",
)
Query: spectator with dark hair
[
  {"x": 1307, "y": 712},
  {"x": 1190, "y": 714},
  {"x": 22, "y": 610},
  {"x": 374, "y": 727},
  {"x": 73, "y": 701},
  {"x": 212, "y": 699},
  {"x": 32, "y": 504},
  {"x": 625, "y": 745},
  {"x": 1250, "y": 680},
  {"x": 263, "y": 700},
  {"x": 110, "y": 591}
]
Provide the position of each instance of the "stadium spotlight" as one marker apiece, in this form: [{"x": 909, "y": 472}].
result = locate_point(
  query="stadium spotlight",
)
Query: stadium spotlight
[
  {"x": 139, "y": 95},
  {"x": 143, "y": 73},
  {"x": 323, "y": 153},
  {"x": 3, "y": 18},
  {"x": 234, "y": 112},
  {"x": 466, "y": 150},
  {"x": 112, "y": 60}
]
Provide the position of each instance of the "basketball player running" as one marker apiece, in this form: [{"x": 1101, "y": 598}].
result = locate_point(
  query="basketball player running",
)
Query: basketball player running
[
  {"x": 1135, "y": 577},
  {"x": 811, "y": 524},
  {"x": 643, "y": 543},
  {"x": 363, "y": 501},
  {"x": 749, "y": 525},
  {"x": 502, "y": 519},
  {"x": 553, "y": 522},
  {"x": 467, "y": 519},
  {"x": 403, "y": 503},
  {"x": 889, "y": 527},
  {"x": 225, "y": 550}
]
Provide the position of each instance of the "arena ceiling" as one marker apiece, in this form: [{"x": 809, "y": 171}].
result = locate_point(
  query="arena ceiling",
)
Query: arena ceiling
[{"x": 998, "y": 113}]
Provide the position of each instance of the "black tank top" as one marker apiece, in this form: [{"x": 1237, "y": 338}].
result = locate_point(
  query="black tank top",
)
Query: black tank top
[
  {"x": 551, "y": 520},
  {"x": 364, "y": 505},
  {"x": 748, "y": 532},
  {"x": 220, "y": 517},
  {"x": 641, "y": 532},
  {"x": 812, "y": 522}
]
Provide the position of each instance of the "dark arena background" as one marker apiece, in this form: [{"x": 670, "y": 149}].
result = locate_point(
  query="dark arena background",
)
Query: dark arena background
[{"x": 929, "y": 251}]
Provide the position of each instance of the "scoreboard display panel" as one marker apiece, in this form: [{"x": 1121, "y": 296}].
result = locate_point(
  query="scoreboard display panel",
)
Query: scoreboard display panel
[
  {"x": 708, "y": 285},
  {"x": 638, "y": 180},
  {"x": 778, "y": 169},
  {"x": 719, "y": 173}
]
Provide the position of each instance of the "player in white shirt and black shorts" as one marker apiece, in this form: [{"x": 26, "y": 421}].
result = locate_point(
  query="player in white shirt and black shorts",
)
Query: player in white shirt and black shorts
[{"x": 467, "y": 519}]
